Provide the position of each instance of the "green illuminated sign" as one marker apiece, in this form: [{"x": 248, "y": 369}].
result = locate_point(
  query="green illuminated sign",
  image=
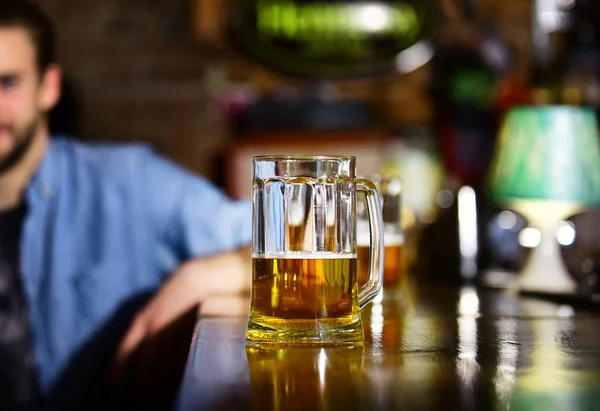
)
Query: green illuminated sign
[
  {"x": 329, "y": 38},
  {"x": 329, "y": 21}
]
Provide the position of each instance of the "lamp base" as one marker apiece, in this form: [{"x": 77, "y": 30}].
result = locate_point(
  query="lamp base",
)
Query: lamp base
[{"x": 544, "y": 271}]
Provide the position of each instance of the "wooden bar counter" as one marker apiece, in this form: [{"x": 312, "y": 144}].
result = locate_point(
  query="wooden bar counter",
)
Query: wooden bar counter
[{"x": 436, "y": 348}]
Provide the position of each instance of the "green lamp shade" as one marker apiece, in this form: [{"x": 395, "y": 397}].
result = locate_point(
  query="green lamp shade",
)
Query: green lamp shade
[{"x": 547, "y": 152}]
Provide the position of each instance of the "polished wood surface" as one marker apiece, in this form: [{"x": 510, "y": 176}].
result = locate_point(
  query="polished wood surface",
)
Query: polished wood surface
[{"x": 436, "y": 348}]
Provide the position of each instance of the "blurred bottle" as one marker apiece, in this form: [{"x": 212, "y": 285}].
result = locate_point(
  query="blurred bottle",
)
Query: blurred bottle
[
  {"x": 545, "y": 80},
  {"x": 582, "y": 51},
  {"x": 468, "y": 87},
  {"x": 558, "y": 75},
  {"x": 470, "y": 61}
]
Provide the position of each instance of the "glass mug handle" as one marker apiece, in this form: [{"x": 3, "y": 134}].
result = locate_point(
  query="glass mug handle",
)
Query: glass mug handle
[{"x": 370, "y": 290}]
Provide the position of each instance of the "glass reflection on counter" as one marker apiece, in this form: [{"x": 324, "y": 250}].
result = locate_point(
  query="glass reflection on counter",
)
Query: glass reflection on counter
[
  {"x": 467, "y": 366},
  {"x": 376, "y": 322},
  {"x": 289, "y": 378},
  {"x": 322, "y": 364},
  {"x": 384, "y": 320},
  {"x": 379, "y": 374},
  {"x": 400, "y": 345}
]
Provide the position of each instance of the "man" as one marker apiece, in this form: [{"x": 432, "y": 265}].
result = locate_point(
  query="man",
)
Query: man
[{"x": 84, "y": 231}]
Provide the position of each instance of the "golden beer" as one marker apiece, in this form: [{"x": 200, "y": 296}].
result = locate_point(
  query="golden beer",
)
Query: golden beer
[
  {"x": 303, "y": 291},
  {"x": 392, "y": 268}
]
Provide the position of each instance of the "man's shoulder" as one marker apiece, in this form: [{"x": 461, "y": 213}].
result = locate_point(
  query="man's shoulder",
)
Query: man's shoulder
[
  {"x": 103, "y": 152},
  {"x": 116, "y": 163},
  {"x": 104, "y": 158}
]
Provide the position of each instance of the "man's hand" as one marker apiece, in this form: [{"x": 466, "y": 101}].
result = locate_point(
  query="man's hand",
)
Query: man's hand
[{"x": 189, "y": 286}]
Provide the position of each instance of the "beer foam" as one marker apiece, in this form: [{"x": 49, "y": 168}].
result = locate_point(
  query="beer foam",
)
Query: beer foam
[
  {"x": 393, "y": 239},
  {"x": 363, "y": 239},
  {"x": 391, "y": 236},
  {"x": 305, "y": 255}
]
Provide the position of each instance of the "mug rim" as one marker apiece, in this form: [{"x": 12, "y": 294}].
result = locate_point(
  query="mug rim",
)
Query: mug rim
[{"x": 302, "y": 157}]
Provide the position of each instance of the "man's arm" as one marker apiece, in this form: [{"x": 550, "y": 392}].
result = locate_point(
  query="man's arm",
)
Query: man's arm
[
  {"x": 202, "y": 226},
  {"x": 188, "y": 287}
]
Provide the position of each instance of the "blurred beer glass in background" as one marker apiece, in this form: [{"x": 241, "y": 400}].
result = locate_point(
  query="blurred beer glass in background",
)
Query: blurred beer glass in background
[{"x": 390, "y": 191}]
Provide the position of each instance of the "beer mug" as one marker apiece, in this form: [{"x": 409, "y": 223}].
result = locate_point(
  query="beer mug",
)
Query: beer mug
[
  {"x": 304, "y": 268},
  {"x": 393, "y": 269}
]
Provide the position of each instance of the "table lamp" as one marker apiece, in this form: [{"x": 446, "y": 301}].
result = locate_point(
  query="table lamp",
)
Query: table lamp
[{"x": 546, "y": 166}]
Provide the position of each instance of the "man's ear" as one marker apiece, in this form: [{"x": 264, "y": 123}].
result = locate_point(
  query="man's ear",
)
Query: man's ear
[{"x": 50, "y": 88}]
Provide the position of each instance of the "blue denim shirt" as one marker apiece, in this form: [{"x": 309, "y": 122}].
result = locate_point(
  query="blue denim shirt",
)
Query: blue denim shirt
[{"x": 105, "y": 223}]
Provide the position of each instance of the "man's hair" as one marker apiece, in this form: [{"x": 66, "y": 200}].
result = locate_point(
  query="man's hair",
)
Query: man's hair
[{"x": 25, "y": 15}]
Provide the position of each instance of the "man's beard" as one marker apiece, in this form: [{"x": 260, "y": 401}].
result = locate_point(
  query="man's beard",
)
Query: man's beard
[{"x": 20, "y": 150}]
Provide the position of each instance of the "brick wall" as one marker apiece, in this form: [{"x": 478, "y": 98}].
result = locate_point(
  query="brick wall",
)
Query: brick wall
[{"x": 140, "y": 75}]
